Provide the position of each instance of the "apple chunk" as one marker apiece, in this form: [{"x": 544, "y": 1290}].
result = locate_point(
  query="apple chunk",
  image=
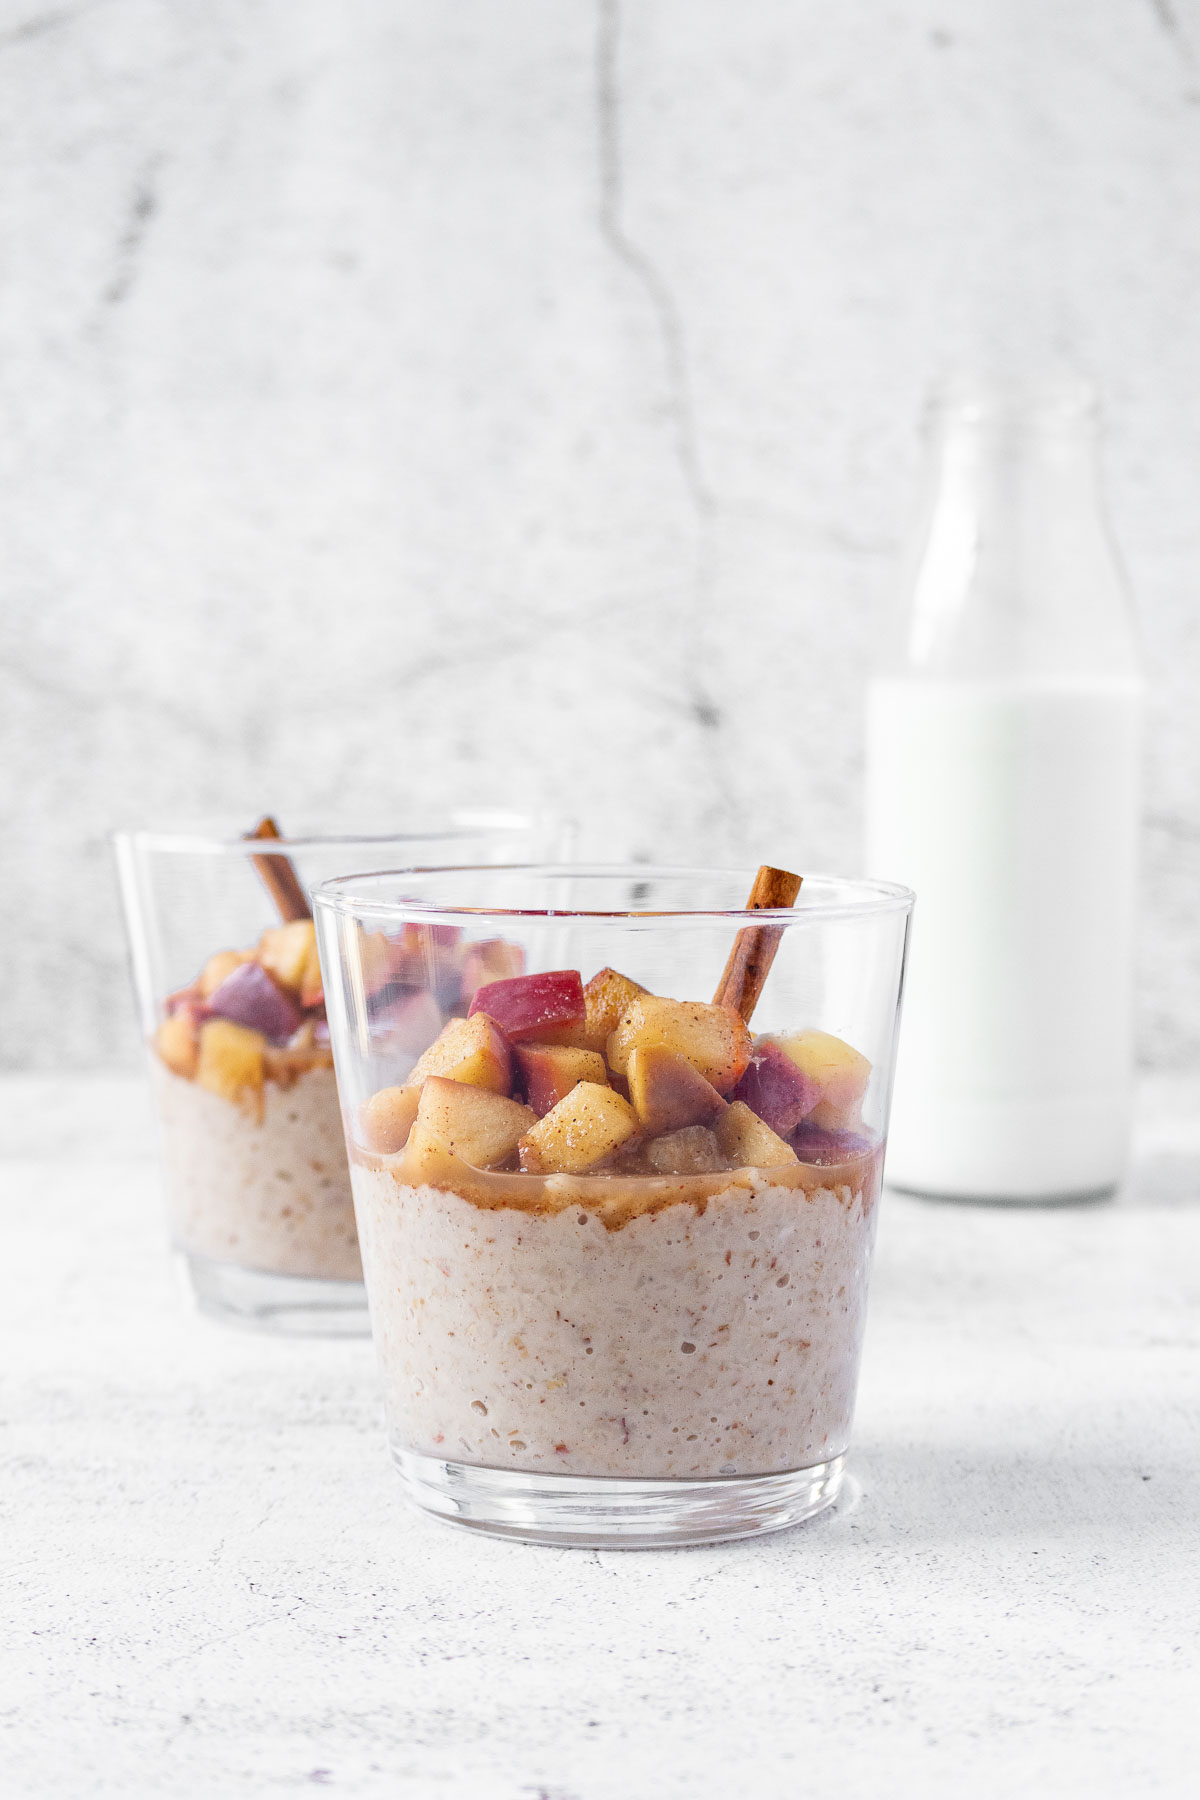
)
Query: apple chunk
[
  {"x": 585, "y": 1127},
  {"x": 526, "y": 1005},
  {"x": 376, "y": 958},
  {"x": 480, "y": 1127},
  {"x": 492, "y": 960},
  {"x": 605, "y": 997},
  {"x": 474, "y": 1051},
  {"x": 693, "y": 1151},
  {"x": 230, "y": 1063},
  {"x": 409, "y": 1024},
  {"x": 776, "y": 1088},
  {"x": 177, "y": 1041},
  {"x": 284, "y": 950},
  {"x": 714, "y": 1039},
  {"x": 220, "y": 965},
  {"x": 252, "y": 997},
  {"x": 550, "y": 1071},
  {"x": 385, "y": 1120},
  {"x": 839, "y": 1072},
  {"x": 312, "y": 982},
  {"x": 748, "y": 1143},
  {"x": 668, "y": 1092},
  {"x": 428, "y": 956}
]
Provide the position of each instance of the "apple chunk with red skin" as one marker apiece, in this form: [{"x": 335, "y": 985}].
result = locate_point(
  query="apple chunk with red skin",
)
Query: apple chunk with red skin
[
  {"x": 605, "y": 996},
  {"x": 219, "y": 967},
  {"x": 585, "y": 1127},
  {"x": 480, "y": 1127},
  {"x": 839, "y": 1072},
  {"x": 813, "y": 1144},
  {"x": 668, "y": 1092},
  {"x": 472, "y": 1050},
  {"x": 251, "y": 997},
  {"x": 714, "y": 1039},
  {"x": 550, "y": 1071},
  {"x": 526, "y": 1005},
  {"x": 775, "y": 1088},
  {"x": 495, "y": 959}
]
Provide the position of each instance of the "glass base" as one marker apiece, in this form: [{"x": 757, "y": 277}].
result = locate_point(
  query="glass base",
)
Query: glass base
[
  {"x": 962, "y": 1197},
  {"x": 608, "y": 1513},
  {"x": 287, "y": 1305}
]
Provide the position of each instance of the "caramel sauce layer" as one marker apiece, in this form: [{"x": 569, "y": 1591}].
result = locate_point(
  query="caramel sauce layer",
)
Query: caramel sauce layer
[
  {"x": 285, "y": 1067},
  {"x": 615, "y": 1199}
]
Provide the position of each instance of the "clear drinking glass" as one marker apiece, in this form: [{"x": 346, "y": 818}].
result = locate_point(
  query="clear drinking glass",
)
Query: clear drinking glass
[
  {"x": 616, "y": 1247},
  {"x": 232, "y": 1010}
]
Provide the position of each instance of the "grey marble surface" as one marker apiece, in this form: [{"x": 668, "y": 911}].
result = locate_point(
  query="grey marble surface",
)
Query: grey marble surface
[
  {"x": 517, "y": 402},
  {"x": 212, "y": 1587}
]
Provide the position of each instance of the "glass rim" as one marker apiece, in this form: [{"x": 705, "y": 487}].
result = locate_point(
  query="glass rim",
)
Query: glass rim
[
  {"x": 343, "y": 895},
  {"x": 453, "y": 826}
]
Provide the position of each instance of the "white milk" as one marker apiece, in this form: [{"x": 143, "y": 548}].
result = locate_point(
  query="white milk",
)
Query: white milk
[{"x": 1011, "y": 807}]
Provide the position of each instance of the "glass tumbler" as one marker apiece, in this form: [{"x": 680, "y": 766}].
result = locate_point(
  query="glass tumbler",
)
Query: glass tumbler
[
  {"x": 229, "y": 993},
  {"x": 617, "y": 1214}
]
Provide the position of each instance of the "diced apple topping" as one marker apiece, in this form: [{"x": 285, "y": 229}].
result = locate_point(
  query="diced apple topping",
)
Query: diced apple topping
[
  {"x": 527, "y": 1005},
  {"x": 312, "y": 983},
  {"x": 605, "y": 997},
  {"x": 426, "y": 956},
  {"x": 230, "y": 1063},
  {"x": 379, "y": 959},
  {"x": 714, "y": 1039},
  {"x": 219, "y": 967},
  {"x": 249, "y": 996},
  {"x": 776, "y": 1088},
  {"x": 550, "y": 1071},
  {"x": 474, "y": 1051},
  {"x": 747, "y": 1142},
  {"x": 178, "y": 1041},
  {"x": 480, "y": 1127},
  {"x": 284, "y": 951},
  {"x": 385, "y": 1120},
  {"x": 839, "y": 1072},
  {"x": 493, "y": 960},
  {"x": 693, "y": 1151},
  {"x": 668, "y": 1092},
  {"x": 410, "y": 1024},
  {"x": 585, "y": 1127},
  {"x": 814, "y": 1145}
]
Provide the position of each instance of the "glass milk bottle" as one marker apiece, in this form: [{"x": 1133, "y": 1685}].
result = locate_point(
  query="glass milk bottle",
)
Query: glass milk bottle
[{"x": 1003, "y": 776}]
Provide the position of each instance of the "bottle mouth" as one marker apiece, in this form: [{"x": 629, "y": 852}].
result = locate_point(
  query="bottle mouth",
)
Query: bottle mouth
[{"x": 1056, "y": 398}]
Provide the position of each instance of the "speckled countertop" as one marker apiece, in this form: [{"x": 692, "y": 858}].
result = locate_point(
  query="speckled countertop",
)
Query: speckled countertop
[{"x": 212, "y": 1586}]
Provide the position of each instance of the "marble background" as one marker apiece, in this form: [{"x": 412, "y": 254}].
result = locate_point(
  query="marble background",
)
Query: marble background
[{"x": 517, "y": 403}]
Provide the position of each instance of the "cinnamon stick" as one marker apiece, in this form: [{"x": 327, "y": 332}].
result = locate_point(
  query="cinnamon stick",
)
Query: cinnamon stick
[
  {"x": 755, "y": 945},
  {"x": 277, "y": 875}
]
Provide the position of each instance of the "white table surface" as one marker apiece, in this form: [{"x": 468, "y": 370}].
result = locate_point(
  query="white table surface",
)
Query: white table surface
[{"x": 213, "y": 1587}]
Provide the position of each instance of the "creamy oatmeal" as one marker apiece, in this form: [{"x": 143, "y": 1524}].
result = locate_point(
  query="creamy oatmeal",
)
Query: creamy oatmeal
[
  {"x": 270, "y": 1192},
  {"x": 712, "y": 1335}
]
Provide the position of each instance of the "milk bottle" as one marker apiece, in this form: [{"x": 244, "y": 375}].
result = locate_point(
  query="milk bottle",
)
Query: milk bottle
[{"x": 1003, "y": 758}]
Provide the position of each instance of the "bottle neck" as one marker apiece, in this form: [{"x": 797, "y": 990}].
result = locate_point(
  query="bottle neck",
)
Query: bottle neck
[{"x": 1013, "y": 572}]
